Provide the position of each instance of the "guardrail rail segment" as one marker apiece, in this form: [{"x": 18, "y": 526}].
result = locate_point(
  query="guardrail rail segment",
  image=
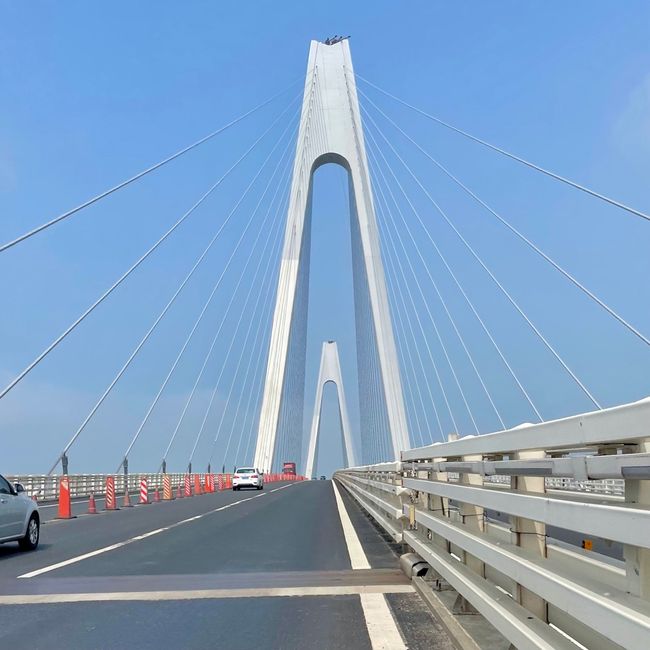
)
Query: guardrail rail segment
[
  {"x": 43, "y": 487},
  {"x": 543, "y": 529}
]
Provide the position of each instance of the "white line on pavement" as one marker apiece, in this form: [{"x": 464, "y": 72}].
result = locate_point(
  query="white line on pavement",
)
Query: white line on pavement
[
  {"x": 358, "y": 559},
  {"x": 112, "y": 547},
  {"x": 382, "y": 628},
  {"x": 381, "y": 625},
  {"x": 334, "y": 590},
  {"x": 283, "y": 487}
]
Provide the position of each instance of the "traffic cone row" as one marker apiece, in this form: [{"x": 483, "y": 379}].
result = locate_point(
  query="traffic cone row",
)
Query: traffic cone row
[{"x": 189, "y": 486}]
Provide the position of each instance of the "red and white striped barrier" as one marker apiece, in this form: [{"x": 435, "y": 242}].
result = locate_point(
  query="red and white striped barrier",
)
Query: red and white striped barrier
[
  {"x": 168, "y": 495},
  {"x": 188, "y": 486},
  {"x": 144, "y": 491},
  {"x": 111, "y": 503}
]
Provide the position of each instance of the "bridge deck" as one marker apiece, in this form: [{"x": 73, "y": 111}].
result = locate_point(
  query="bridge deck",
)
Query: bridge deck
[{"x": 270, "y": 569}]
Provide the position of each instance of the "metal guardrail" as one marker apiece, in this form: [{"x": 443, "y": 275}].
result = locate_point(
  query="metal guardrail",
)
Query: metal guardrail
[
  {"x": 46, "y": 488},
  {"x": 588, "y": 475}
]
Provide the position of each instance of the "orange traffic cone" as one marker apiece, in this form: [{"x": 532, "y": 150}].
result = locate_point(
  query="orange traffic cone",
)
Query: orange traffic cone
[
  {"x": 156, "y": 496},
  {"x": 92, "y": 506},
  {"x": 65, "y": 505}
]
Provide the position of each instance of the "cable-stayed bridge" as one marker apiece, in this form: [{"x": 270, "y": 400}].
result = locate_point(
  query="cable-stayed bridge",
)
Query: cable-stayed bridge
[{"x": 531, "y": 519}]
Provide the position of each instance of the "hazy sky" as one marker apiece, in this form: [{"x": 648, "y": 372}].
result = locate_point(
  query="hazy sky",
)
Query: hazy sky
[{"x": 93, "y": 92}]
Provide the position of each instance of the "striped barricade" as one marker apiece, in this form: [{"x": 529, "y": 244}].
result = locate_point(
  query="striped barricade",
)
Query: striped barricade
[
  {"x": 111, "y": 502},
  {"x": 144, "y": 491},
  {"x": 168, "y": 495}
]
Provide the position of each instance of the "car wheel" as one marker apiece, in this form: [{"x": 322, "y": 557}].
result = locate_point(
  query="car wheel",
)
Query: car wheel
[{"x": 30, "y": 541}]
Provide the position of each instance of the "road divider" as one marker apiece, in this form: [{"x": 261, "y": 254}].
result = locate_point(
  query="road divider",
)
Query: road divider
[
  {"x": 168, "y": 495},
  {"x": 144, "y": 491},
  {"x": 126, "y": 499},
  {"x": 111, "y": 502},
  {"x": 65, "y": 505}
]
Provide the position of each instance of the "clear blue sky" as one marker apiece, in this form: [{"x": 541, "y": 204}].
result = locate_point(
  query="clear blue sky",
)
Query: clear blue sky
[{"x": 90, "y": 93}]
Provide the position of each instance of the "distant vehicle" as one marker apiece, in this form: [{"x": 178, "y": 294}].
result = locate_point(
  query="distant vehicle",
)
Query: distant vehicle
[
  {"x": 289, "y": 468},
  {"x": 323, "y": 478},
  {"x": 247, "y": 477},
  {"x": 19, "y": 518}
]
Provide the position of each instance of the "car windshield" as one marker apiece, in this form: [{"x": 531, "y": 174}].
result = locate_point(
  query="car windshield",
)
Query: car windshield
[{"x": 245, "y": 470}]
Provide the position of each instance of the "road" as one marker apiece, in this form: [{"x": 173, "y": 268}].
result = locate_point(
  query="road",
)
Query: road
[{"x": 272, "y": 569}]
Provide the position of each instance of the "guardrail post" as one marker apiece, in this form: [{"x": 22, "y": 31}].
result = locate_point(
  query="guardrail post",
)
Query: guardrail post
[
  {"x": 403, "y": 497},
  {"x": 471, "y": 515},
  {"x": 439, "y": 505},
  {"x": 637, "y": 560},
  {"x": 529, "y": 534}
]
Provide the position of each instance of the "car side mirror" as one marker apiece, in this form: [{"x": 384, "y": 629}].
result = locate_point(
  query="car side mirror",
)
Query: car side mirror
[{"x": 19, "y": 487}]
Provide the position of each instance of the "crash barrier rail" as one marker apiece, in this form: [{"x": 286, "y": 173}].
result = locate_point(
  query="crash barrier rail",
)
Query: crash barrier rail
[
  {"x": 47, "y": 488},
  {"x": 543, "y": 529}
]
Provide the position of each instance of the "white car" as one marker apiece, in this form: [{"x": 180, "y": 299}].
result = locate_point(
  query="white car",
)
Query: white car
[
  {"x": 19, "y": 518},
  {"x": 247, "y": 477}
]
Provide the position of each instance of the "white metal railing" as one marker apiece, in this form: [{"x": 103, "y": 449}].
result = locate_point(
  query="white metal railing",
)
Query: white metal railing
[
  {"x": 46, "y": 488},
  {"x": 587, "y": 476}
]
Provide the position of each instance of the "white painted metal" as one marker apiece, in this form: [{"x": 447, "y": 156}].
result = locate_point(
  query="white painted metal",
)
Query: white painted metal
[
  {"x": 619, "y": 424},
  {"x": 330, "y": 371},
  {"x": 601, "y": 458},
  {"x": 330, "y": 132}
]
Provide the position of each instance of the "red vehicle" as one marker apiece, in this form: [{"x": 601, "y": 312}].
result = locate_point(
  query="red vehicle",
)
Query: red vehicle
[{"x": 289, "y": 468}]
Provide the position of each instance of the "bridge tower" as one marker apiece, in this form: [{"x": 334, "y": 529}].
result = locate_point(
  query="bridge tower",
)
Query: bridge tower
[
  {"x": 330, "y": 371},
  {"x": 331, "y": 132}
]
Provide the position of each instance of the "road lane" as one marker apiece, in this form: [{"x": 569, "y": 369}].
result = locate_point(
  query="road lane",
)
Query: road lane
[
  {"x": 270, "y": 569},
  {"x": 318, "y": 623},
  {"x": 293, "y": 529},
  {"x": 64, "y": 539}
]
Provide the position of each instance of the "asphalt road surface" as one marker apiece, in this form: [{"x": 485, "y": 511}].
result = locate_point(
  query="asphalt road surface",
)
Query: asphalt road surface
[{"x": 271, "y": 569}]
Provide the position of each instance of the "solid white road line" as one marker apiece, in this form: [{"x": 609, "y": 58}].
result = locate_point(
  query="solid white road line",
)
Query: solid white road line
[
  {"x": 112, "y": 547},
  {"x": 382, "y": 627},
  {"x": 358, "y": 559},
  {"x": 334, "y": 590}
]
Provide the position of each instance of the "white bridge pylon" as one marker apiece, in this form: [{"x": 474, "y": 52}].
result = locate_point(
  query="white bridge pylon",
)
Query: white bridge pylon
[
  {"x": 331, "y": 132},
  {"x": 330, "y": 371}
]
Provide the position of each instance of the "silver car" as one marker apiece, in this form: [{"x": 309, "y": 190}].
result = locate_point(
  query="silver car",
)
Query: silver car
[{"x": 19, "y": 518}]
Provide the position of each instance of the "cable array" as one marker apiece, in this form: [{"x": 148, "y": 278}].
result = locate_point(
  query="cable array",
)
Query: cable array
[{"x": 402, "y": 251}]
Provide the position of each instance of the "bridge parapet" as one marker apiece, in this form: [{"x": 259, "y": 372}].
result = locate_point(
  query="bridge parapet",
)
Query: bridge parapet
[
  {"x": 46, "y": 487},
  {"x": 539, "y": 528}
]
